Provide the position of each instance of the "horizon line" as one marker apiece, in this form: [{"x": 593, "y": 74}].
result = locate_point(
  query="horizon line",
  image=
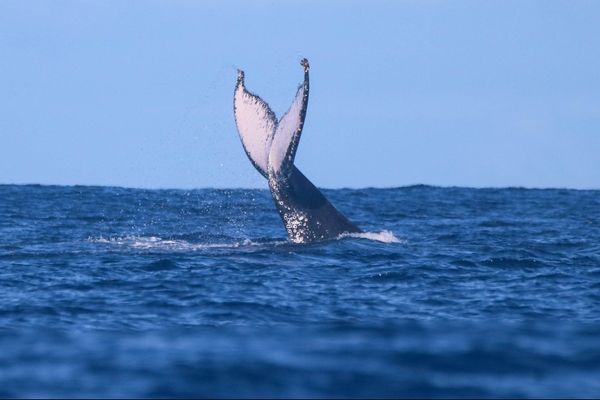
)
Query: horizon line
[{"x": 407, "y": 186}]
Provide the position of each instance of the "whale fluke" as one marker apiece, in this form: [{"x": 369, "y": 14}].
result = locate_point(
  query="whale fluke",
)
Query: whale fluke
[
  {"x": 271, "y": 146},
  {"x": 256, "y": 125},
  {"x": 289, "y": 128}
]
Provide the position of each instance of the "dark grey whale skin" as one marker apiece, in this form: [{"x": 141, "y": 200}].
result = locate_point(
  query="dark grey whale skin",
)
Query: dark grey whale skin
[{"x": 296, "y": 195}]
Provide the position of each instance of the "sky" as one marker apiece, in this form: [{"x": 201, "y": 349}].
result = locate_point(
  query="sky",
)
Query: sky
[{"x": 452, "y": 93}]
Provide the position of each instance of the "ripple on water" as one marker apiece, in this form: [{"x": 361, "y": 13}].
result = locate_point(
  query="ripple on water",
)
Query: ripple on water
[{"x": 451, "y": 292}]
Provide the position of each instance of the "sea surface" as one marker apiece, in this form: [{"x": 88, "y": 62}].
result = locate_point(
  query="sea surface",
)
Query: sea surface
[{"x": 112, "y": 292}]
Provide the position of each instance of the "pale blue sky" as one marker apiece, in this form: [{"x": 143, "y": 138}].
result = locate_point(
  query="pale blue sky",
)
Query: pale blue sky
[{"x": 139, "y": 93}]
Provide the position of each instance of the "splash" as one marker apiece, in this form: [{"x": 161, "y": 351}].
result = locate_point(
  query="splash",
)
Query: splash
[
  {"x": 384, "y": 236},
  {"x": 296, "y": 224},
  {"x": 157, "y": 243}
]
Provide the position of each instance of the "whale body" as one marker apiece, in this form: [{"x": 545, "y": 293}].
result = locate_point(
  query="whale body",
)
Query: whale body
[{"x": 271, "y": 146}]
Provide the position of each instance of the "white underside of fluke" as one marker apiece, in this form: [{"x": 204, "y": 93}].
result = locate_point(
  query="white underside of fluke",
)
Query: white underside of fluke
[
  {"x": 287, "y": 133},
  {"x": 256, "y": 124},
  {"x": 270, "y": 144}
]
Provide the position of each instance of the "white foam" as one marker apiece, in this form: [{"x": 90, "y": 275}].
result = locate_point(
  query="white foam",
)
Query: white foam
[
  {"x": 154, "y": 242},
  {"x": 157, "y": 243},
  {"x": 384, "y": 236}
]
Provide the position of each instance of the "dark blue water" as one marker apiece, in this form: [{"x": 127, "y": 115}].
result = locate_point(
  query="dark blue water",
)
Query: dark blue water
[{"x": 454, "y": 292}]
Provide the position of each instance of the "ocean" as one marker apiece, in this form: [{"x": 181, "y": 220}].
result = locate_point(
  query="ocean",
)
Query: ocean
[{"x": 452, "y": 292}]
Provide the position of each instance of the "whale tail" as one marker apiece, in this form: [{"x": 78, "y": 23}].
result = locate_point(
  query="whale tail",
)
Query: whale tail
[
  {"x": 256, "y": 124},
  {"x": 269, "y": 142},
  {"x": 271, "y": 146},
  {"x": 289, "y": 128}
]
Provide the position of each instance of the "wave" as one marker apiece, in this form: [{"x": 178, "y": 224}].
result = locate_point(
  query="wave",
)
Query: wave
[
  {"x": 155, "y": 242},
  {"x": 384, "y": 236}
]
